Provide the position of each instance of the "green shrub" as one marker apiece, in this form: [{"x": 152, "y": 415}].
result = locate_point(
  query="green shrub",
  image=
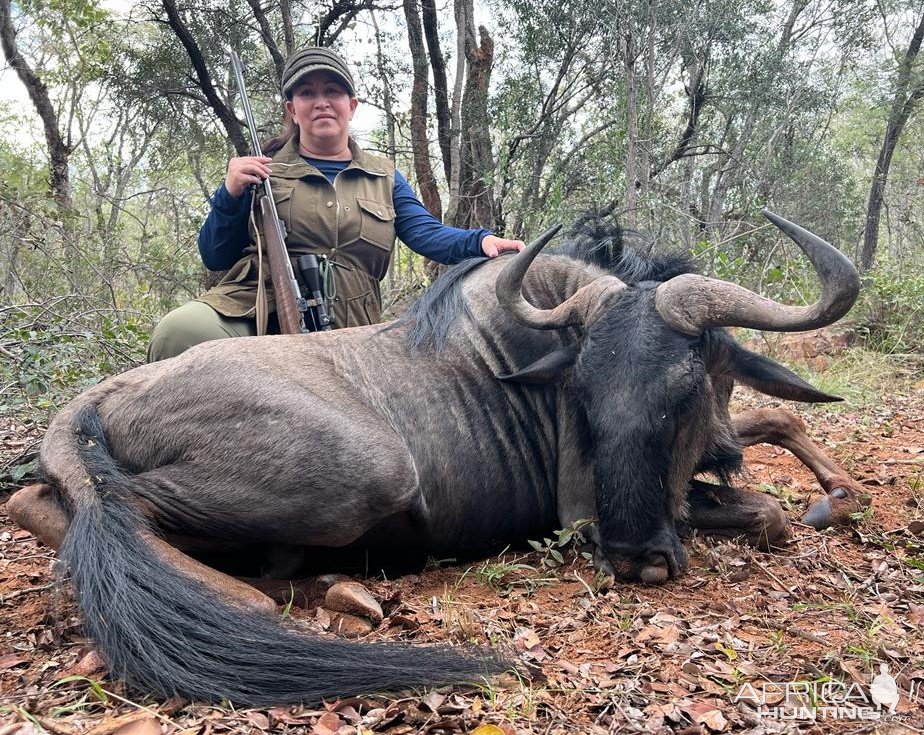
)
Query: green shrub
[
  {"x": 890, "y": 310},
  {"x": 53, "y": 352}
]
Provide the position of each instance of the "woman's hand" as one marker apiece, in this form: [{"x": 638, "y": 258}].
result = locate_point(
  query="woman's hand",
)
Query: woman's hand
[
  {"x": 244, "y": 171},
  {"x": 492, "y": 245}
]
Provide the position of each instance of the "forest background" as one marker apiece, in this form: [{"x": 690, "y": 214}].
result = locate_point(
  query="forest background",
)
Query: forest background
[{"x": 682, "y": 119}]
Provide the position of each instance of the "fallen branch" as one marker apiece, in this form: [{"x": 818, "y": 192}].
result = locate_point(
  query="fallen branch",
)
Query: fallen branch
[{"x": 17, "y": 593}]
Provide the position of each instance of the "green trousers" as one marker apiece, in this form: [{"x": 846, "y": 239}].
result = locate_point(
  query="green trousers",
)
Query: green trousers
[{"x": 192, "y": 323}]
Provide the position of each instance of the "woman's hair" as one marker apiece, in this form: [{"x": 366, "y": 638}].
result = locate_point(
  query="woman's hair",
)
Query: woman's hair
[{"x": 289, "y": 128}]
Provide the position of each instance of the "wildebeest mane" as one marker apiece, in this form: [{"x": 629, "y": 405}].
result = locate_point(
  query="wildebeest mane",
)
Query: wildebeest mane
[
  {"x": 431, "y": 316},
  {"x": 595, "y": 240},
  {"x": 591, "y": 239}
]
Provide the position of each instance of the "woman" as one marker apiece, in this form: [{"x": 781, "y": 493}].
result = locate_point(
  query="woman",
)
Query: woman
[{"x": 336, "y": 201}]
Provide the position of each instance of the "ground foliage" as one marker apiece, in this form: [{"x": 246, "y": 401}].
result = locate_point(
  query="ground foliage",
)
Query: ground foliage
[{"x": 599, "y": 658}]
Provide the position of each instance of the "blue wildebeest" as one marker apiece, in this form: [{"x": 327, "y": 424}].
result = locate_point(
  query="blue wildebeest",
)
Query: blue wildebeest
[{"x": 519, "y": 395}]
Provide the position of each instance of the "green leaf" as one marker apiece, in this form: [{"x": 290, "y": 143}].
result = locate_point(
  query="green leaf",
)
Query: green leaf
[{"x": 25, "y": 469}]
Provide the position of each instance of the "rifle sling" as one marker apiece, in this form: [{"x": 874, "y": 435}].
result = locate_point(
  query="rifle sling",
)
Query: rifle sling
[{"x": 262, "y": 306}]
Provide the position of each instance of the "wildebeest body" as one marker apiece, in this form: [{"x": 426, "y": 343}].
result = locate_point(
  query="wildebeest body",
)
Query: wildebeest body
[
  {"x": 316, "y": 441},
  {"x": 512, "y": 400}
]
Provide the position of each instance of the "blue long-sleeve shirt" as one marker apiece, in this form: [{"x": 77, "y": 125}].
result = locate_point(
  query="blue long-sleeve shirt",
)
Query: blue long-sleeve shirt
[{"x": 224, "y": 233}]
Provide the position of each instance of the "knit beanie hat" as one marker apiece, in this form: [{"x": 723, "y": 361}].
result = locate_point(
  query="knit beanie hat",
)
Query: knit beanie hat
[{"x": 315, "y": 58}]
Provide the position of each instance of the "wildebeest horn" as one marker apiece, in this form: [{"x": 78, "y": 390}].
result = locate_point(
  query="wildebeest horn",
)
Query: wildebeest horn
[
  {"x": 571, "y": 313},
  {"x": 691, "y": 303}
]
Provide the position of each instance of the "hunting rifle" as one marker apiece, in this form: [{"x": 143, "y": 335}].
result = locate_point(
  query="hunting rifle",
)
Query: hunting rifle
[{"x": 291, "y": 308}]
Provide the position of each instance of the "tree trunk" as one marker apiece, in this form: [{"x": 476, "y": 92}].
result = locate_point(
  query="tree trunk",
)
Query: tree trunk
[
  {"x": 455, "y": 130},
  {"x": 476, "y": 200},
  {"x": 59, "y": 151},
  {"x": 288, "y": 34},
  {"x": 647, "y": 138},
  {"x": 440, "y": 86},
  {"x": 426, "y": 182},
  {"x": 907, "y": 95},
  {"x": 716, "y": 210},
  {"x": 631, "y": 199}
]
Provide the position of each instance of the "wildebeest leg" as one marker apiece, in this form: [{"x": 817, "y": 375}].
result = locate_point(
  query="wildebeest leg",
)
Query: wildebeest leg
[
  {"x": 296, "y": 494},
  {"x": 844, "y": 496},
  {"x": 720, "y": 510},
  {"x": 35, "y": 509},
  {"x": 225, "y": 585}
]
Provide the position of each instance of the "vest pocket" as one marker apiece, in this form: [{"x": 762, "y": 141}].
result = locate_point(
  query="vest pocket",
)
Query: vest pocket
[
  {"x": 377, "y": 225},
  {"x": 363, "y": 310},
  {"x": 359, "y": 300},
  {"x": 282, "y": 196}
]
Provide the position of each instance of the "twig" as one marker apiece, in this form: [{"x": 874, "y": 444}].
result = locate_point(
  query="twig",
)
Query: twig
[
  {"x": 782, "y": 587},
  {"x": 17, "y": 593},
  {"x": 580, "y": 579},
  {"x": 809, "y": 636},
  {"x": 150, "y": 711},
  {"x": 48, "y": 557}
]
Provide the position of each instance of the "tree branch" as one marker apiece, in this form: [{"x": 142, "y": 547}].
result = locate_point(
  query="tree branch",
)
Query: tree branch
[
  {"x": 226, "y": 116},
  {"x": 266, "y": 34},
  {"x": 58, "y": 150},
  {"x": 696, "y": 93}
]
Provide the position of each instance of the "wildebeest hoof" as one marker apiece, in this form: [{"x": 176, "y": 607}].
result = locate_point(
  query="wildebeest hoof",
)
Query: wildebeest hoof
[
  {"x": 837, "y": 508},
  {"x": 655, "y": 569},
  {"x": 34, "y": 509},
  {"x": 818, "y": 515},
  {"x": 352, "y": 598}
]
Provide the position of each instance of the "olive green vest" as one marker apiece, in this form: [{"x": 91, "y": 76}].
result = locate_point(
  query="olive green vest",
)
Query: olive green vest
[{"x": 351, "y": 221}]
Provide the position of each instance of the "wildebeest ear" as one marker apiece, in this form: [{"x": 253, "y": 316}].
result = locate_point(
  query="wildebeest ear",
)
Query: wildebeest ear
[
  {"x": 549, "y": 368},
  {"x": 769, "y": 377}
]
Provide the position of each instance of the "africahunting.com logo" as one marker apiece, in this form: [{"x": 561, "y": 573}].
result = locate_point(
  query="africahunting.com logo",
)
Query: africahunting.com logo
[{"x": 826, "y": 700}]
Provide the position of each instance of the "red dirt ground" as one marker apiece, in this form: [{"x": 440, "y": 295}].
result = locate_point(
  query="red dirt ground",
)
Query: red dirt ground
[{"x": 628, "y": 658}]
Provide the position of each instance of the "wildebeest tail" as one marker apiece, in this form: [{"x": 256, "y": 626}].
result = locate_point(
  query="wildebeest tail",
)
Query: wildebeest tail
[{"x": 169, "y": 635}]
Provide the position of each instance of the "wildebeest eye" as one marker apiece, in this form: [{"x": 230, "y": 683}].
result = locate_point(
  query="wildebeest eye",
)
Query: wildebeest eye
[{"x": 684, "y": 379}]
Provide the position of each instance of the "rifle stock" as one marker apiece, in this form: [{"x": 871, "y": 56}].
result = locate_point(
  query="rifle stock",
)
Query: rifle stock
[{"x": 289, "y": 303}]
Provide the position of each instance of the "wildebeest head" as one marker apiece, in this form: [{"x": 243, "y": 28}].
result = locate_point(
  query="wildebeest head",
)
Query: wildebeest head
[{"x": 654, "y": 370}]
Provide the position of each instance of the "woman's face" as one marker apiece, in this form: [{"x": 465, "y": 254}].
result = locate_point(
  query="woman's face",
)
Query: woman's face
[{"x": 322, "y": 108}]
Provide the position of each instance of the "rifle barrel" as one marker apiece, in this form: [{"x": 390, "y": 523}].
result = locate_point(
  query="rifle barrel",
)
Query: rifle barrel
[{"x": 238, "y": 68}]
